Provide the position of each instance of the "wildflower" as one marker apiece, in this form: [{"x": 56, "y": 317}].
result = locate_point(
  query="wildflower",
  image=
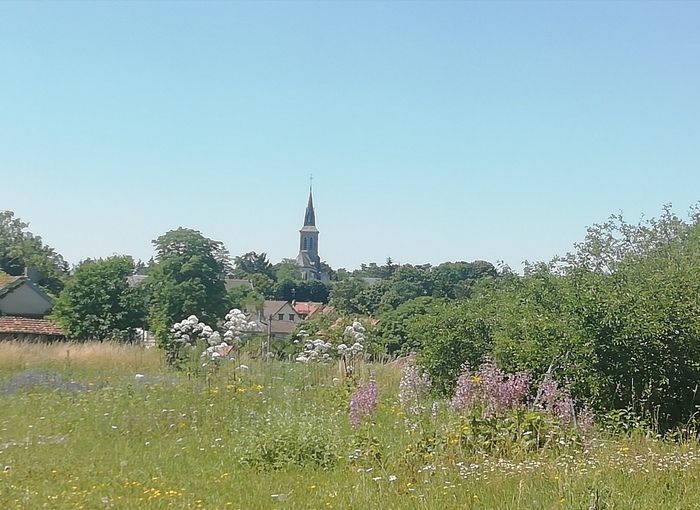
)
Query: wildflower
[
  {"x": 363, "y": 403},
  {"x": 555, "y": 400},
  {"x": 495, "y": 390},
  {"x": 413, "y": 388}
]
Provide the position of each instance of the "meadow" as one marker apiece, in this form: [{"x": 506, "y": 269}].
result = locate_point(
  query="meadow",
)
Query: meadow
[{"x": 111, "y": 426}]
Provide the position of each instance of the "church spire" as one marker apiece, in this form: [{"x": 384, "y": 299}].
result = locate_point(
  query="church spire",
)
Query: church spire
[{"x": 310, "y": 216}]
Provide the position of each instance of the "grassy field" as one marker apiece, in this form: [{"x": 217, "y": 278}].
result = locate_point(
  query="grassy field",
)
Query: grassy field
[{"x": 126, "y": 432}]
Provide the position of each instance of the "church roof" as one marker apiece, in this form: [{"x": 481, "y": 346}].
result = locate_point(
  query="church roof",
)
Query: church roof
[
  {"x": 310, "y": 215},
  {"x": 304, "y": 260}
]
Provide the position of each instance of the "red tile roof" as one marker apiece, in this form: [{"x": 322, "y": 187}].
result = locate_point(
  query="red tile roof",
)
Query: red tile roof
[
  {"x": 25, "y": 326},
  {"x": 306, "y": 307}
]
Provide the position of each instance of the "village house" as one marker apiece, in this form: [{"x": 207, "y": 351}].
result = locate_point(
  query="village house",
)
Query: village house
[
  {"x": 23, "y": 308},
  {"x": 278, "y": 319}
]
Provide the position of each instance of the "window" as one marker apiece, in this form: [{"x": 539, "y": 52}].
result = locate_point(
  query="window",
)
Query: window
[
  {"x": 291, "y": 316},
  {"x": 280, "y": 317}
]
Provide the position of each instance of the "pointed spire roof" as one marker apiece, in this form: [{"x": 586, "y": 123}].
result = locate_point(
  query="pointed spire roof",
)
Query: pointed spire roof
[{"x": 310, "y": 215}]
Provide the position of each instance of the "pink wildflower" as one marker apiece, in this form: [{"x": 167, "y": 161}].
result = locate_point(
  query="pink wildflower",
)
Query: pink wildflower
[{"x": 363, "y": 403}]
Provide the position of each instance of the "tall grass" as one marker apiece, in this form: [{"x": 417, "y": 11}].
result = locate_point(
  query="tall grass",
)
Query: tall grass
[
  {"x": 20, "y": 355},
  {"x": 277, "y": 435}
]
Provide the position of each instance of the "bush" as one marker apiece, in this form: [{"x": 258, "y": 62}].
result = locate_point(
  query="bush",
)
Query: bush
[{"x": 618, "y": 323}]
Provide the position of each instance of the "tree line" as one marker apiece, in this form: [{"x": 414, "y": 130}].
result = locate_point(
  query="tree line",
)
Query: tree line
[
  {"x": 100, "y": 299},
  {"x": 617, "y": 319}
]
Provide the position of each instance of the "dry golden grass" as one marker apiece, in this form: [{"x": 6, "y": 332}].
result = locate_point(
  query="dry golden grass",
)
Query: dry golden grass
[{"x": 19, "y": 355}]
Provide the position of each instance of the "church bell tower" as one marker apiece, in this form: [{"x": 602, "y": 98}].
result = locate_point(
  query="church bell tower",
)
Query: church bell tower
[{"x": 308, "y": 259}]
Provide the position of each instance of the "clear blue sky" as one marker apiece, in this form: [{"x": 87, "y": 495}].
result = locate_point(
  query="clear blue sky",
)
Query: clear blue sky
[{"x": 435, "y": 131}]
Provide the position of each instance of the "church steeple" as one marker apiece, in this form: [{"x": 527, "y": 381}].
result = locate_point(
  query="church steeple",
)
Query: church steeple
[
  {"x": 308, "y": 259},
  {"x": 310, "y": 215}
]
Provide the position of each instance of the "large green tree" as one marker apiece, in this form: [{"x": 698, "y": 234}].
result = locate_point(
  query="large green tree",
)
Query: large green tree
[
  {"x": 97, "y": 303},
  {"x": 188, "y": 279},
  {"x": 253, "y": 263},
  {"x": 20, "y": 249}
]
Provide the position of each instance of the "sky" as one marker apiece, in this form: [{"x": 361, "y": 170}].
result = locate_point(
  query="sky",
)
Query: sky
[{"x": 434, "y": 131}]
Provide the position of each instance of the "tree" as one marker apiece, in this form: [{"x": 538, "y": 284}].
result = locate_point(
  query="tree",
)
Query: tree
[
  {"x": 253, "y": 263},
  {"x": 245, "y": 297},
  {"x": 393, "y": 328},
  {"x": 326, "y": 268},
  {"x": 263, "y": 284},
  {"x": 20, "y": 249},
  {"x": 608, "y": 244},
  {"x": 619, "y": 324},
  {"x": 188, "y": 279},
  {"x": 373, "y": 270},
  {"x": 98, "y": 304},
  {"x": 287, "y": 269},
  {"x": 303, "y": 290},
  {"x": 343, "y": 295},
  {"x": 455, "y": 279}
]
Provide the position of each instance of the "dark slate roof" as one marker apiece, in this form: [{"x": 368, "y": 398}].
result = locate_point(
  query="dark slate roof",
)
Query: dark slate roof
[
  {"x": 305, "y": 260},
  {"x": 271, "y": 307},
  {"x": 10, "y": 283},
  {"x": 310, "y": 216}
]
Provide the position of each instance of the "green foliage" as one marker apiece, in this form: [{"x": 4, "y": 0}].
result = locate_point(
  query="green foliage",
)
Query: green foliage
[
  {"x": 344, "y": 295},
  {"x": 302, "y": 290},
  {"x": 20, "y": 249},
  {"x": 618, "y": 321},
  {"x": 245, "y": 297},
  {"x": 451, "y": 336},
  {"x": 292, "y": 443},
  {"x": 188, "y": 279},
  {"x": 98, "y": 303},
  {"x": 253, "y": 263},
  {"x": 263, "y": 285},
  {"x": 455, "y": 280},
  {"x": 287, "y": 269},
  {"x": 372, "y": 270},
  {"x": 393, "y": 328},
  {"x": 402, "y": 283}
]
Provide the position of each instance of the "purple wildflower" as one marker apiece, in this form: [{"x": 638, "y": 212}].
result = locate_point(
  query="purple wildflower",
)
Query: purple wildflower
[
  {"x": 363, "y": 403},
  {"x": 467, "y": 391},
  {"x": 497, "y": 391},
  {"x": 557, "y": 401}
]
